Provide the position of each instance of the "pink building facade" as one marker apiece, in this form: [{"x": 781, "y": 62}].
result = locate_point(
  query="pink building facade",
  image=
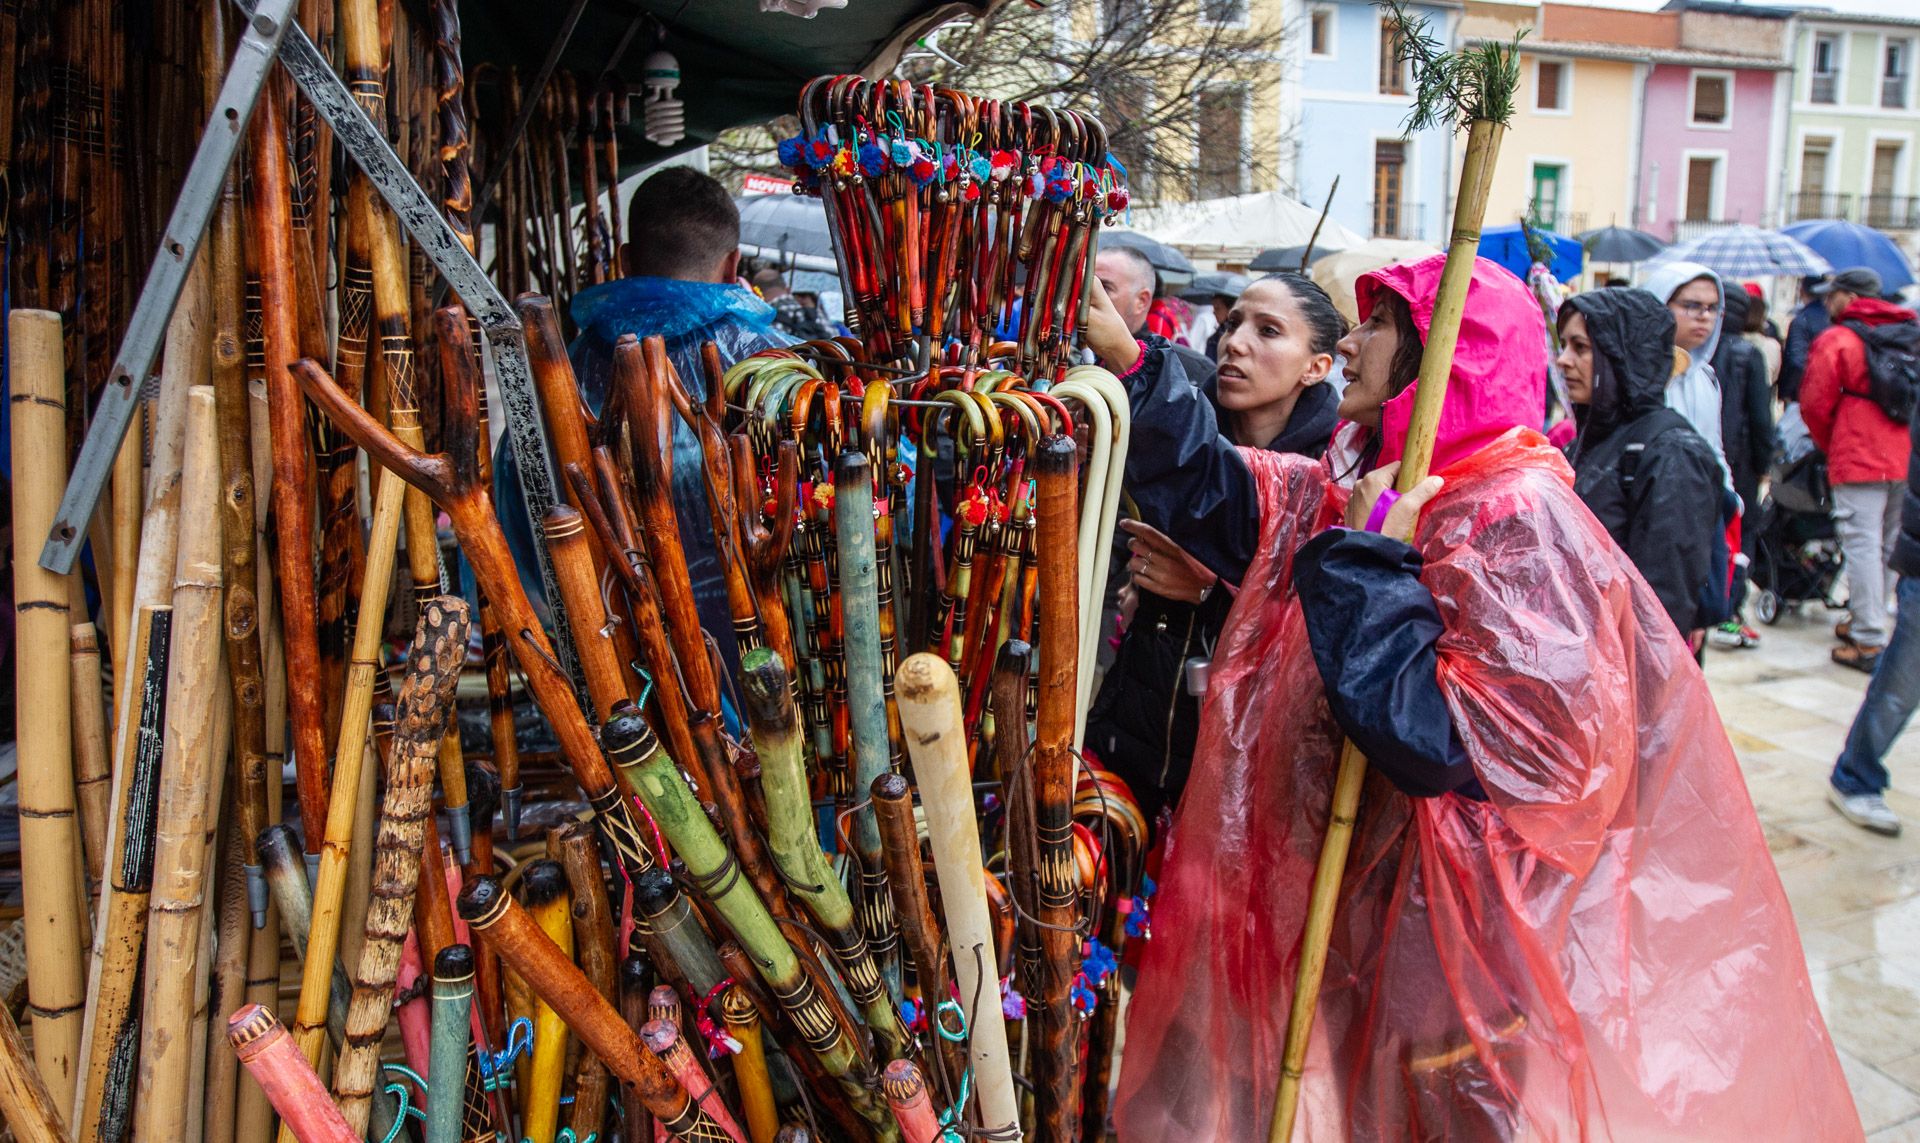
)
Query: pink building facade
[{"x": 1708, "y": 144}]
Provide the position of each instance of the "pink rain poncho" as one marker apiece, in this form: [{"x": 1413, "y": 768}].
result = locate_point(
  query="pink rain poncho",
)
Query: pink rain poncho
[{"x": 1600, "y": 950}]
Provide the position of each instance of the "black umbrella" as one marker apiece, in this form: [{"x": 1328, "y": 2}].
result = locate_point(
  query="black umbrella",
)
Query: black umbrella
[
  {"x": 1620, "y": 244},
  {"x": 1207, "y": 287},
  {"x": 1285, "y": 258},
  {"x": 1164, "y": 257}
]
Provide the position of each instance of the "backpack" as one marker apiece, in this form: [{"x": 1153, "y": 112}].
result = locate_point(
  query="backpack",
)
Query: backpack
[
  {"x": 1715, "y": 596},
  {"x": 1893, "y": 366}
]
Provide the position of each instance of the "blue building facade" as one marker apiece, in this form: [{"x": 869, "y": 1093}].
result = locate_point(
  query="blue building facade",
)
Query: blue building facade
[{"x": 1347, "y": 110}]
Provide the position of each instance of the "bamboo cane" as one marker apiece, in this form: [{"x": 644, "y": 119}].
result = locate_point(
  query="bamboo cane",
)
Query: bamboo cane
[
  {"x": 930, "y": 712},
  {"x": 50, "y": 859},
  {"x": 228, "y": 986},
  {"x": 500, "y": 921},
  {"x": 25, "y": 1102},
  {"x": 593, "y": 932},
  {"x": 92, "y": 759},
  {"x": 795, "y": 844},
  {"x": 190, "y": 773},
  {"x": 750, "y": 1065},
  {"x": 124, "y": 505},
  {"x": 1436, "y": 365},
  {"x": 271, "y": 1057},
  {"x": 426, "y": 706},
  {"x": 544, "y": 886},
  {"x": 663, "y": 1039},
  {"x": 213, "y": 863},
  {"x": 286, "y": 875}
]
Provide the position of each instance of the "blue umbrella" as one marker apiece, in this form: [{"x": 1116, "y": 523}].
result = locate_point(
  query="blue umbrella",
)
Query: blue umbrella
[
  {"x": 1848, "y": 244},
  {"x": 1507, "y": 245}
]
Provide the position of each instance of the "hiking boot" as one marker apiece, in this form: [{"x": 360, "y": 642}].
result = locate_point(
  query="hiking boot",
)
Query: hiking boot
[
  {"x": 1868, "y": 811},
  {"x": 1862, "y": 659}
]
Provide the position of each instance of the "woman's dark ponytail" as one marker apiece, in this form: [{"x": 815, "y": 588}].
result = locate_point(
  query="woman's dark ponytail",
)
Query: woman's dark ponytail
[{"x": 1323, "y": 318}]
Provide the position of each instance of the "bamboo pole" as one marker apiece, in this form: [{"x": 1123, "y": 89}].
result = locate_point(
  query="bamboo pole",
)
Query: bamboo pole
[
  {"x": 25, "y": 1102},
  {"x": 200, "y": 1017},
  {"x": 930, "y": 713},
  {"x": 1436, "y": 365},
  {"x": 188, "y": 775},
  {"x": 229, "y": 984},
  {"x": 92, "y": 759},
  {"x": 49, "y": 834},
  {"x": 426, "y": 706}
]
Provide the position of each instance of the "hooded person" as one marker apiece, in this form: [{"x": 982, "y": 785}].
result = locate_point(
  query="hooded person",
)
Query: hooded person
[
  {"x": 1559, "y": 917},
  {"x": 682, "y": 285},
  {"x": 1639, "y": 467}
]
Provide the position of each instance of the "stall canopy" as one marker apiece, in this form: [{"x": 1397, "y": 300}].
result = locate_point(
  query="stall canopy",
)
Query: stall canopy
[
  {"x": 1245, "y": 223},
  {"x": 738, "y": 64}
]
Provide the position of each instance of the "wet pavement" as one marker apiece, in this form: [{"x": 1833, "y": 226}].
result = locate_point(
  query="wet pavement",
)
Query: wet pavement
[{"x": 1855, "y": 894}]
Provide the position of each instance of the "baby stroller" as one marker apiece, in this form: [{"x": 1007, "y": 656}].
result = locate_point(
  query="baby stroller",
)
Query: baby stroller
[{"x": 1798, "y": 555}]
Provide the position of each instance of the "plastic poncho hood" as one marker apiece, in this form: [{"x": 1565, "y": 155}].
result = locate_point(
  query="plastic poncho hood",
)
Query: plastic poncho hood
[
  {"x": 1601, "y": 949},
  {"x": 1499, "y": 376},
  {"x": 666, "y": 307}
]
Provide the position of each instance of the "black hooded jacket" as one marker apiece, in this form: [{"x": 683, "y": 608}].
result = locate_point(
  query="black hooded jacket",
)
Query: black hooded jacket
[
  {"x": 1746, "y": 406},
  {"x": 1190, "y": 482},
  {"x": 1647, "y": 476}
]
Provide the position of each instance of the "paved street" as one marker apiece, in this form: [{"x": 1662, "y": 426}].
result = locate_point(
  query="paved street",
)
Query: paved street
[{"x": 1856, "y": 895}]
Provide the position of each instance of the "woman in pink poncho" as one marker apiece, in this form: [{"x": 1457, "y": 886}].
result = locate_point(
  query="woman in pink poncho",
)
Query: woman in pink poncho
[{"x": 1559, "y": 918}]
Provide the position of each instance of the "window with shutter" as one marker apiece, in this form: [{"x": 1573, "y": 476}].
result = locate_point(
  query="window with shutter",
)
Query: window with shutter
[
  {"x": 1701, "y": 173},
  {"x": 1550, "y": 86},
  {"x": 1710, "y": 98}
]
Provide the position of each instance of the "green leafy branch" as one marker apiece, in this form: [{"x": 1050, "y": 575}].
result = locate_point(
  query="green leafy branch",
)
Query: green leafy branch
[{"x": 1453, "y": 88}]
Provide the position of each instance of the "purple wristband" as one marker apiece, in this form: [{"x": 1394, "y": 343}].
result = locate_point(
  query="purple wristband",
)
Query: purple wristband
[{"x": 1382, "y": 506}]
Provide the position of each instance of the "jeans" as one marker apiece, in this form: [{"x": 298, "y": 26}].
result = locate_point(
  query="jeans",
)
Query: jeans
[
  {"x": 1867, "y": 517},
  {"x": 1891, "y": 697}
]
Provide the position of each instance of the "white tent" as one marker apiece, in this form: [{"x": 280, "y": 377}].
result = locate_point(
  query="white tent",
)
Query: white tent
[{"x": 1235, "y": 228}]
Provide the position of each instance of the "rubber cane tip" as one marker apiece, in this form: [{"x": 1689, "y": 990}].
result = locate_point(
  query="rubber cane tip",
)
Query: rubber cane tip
[
  {"x": 634, "y": 971},
  {"x": 1055, "y": 453},
  {"x": 1015, "y": 654},
  {"x": 890, "y": 787},
  {"x": 482, "y": 901},
  {"x": 654, "y": 891},
  {"x": 453, "y": 962},
  {"x": 768, "y": 688},
  {"x": 627, "y": 737},
  {"x": 542, "y": 882}
]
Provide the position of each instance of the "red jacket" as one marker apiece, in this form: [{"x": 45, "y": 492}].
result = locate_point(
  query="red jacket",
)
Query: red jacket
[{"x": 1862, "y": 443}]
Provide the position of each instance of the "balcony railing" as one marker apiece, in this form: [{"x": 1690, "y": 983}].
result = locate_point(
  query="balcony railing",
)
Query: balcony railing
[
  {"x": 1893, "y": 91},
  {"x": 1818, "y": 204},
  {"x": 1399, "y": 220},
  {"x": 1826, "y": 85},
  {"x": 1891, "y": 211}
]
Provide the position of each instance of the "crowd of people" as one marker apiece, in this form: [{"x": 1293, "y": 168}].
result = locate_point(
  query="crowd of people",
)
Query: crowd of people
[{"x": 1560, "y": 915}]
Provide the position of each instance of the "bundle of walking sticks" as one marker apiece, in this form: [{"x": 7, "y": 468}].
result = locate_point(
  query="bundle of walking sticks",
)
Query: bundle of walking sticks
[{"x": 861, "y": 886}]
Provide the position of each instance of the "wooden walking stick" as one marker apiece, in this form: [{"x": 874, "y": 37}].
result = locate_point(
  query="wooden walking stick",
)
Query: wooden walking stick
[
  {"x": 663, "y": 1039},
  {"x": 1476, "y": 88},
  {"x": 293, "y": 504},
  {"x": 593, "y": 933},
  {"x": 750, "y": 1065},
  {"x": 50, "y": 859},
  {"x": 930, "y": 713},
  {"x": 92, "y": 758},
  {"x": 425, "y": 707},
  {"x": 906, "y": 1092},
  {"x": 190, "y": 781},
  {"x": 269, "y": 1055},
  {"x": 452, "y": 1032},
  {"x": 543, "y": 885},
  {"x": 503, "y": 923}
]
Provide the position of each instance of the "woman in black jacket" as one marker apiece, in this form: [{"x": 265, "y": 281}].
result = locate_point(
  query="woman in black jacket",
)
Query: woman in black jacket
[
  {"x": 1747, "y": 434},
  {"x": 1276, "y": 349},
  {"x": 1649, "y": 478}
]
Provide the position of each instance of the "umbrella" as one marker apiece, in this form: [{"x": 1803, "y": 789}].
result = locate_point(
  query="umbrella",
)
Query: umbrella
[
  {"x": 1847, "y": 244},
  {"x": 1508, "y": 246},
  {"x": 1286, "y": 257},
  {"x": 1208, "y": 286},
  {"x": 1164, "y": 257},
  {"x": 1620, "y": 244},
  {"x": 1748, "y": 252},
  {"x": 787, "y": 228},
  {"x": 1266, "y": 218},
  {"x": 1336, "y": 273}
]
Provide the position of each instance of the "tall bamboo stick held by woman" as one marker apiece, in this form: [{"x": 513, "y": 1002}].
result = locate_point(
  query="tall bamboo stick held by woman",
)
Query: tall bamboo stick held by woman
[
  {"x": 1476, "y": 88},
  {"x": 49, "y": 834}
]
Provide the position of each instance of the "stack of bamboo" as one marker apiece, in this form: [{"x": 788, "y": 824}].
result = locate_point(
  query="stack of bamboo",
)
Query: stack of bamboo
[{"x": 243, "y": 792}]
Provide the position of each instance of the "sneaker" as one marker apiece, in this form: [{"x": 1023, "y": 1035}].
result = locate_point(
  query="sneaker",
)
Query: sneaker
[
  {"x": 1735, "y": 635},
  {"x": 1868, "y": 811}
]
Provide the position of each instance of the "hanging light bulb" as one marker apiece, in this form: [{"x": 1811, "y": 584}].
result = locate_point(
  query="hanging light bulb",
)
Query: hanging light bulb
[{"x": 665, "y": 116}]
